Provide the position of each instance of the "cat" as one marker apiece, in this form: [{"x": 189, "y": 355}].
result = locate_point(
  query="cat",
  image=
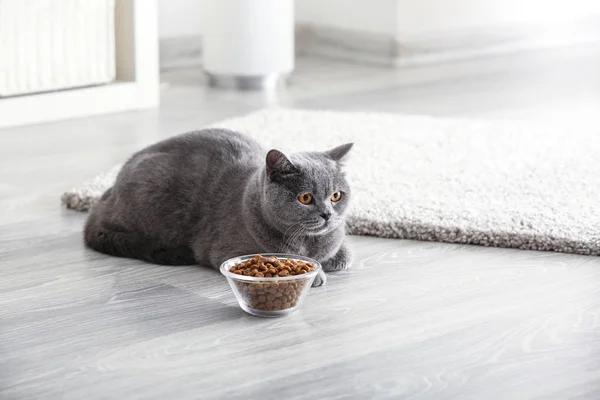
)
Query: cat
[{"x": 206, "y": 196}]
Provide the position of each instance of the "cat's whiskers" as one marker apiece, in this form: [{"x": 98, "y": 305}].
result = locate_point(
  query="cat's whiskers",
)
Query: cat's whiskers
[
  {"x": 297, "y": 238},
  {"x": 290, "y": 227},
  {"x": 287, "y": 242},
  {"x": 294, "y": 242}
]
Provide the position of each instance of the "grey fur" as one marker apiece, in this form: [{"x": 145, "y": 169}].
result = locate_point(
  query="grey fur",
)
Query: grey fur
[{"x": 206, "y": 196}]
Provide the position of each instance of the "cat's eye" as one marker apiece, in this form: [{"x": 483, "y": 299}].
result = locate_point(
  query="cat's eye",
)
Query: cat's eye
[
  {"x": 305, "y": 198},
  {"x": 337, "y": 196}
]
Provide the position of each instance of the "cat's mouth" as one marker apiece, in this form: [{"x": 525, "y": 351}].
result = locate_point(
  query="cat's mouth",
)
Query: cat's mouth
[{"x": 319, "y": 227}]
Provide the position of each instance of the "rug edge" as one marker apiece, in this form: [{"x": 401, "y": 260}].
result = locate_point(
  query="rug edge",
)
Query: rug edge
[{"x": 479, "y": 237}]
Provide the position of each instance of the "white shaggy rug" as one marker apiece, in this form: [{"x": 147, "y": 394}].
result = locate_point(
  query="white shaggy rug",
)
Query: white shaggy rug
[{"x": 445, "y": 180}]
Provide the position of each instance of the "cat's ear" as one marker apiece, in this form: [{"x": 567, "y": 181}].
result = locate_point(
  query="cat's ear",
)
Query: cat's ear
[
  {"x": 277, "y": 162},
  {"x": 339, "y": 153}
]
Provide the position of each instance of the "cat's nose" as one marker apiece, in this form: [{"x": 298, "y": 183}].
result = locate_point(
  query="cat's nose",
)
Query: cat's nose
[{"x": 325, "y": 216}]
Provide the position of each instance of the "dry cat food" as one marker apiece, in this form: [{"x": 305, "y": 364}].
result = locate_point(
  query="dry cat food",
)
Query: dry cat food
[{"x": 271, "y": 296}]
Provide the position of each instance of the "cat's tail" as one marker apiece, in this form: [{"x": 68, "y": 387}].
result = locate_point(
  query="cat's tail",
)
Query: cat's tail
[{"x": 117, "y": 241}]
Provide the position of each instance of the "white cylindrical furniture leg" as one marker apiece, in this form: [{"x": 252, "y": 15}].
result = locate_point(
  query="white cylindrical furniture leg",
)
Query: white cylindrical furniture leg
[{"x": 248, "y": 44}]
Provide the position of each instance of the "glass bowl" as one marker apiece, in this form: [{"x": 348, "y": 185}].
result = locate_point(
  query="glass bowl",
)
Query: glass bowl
[{"x": 270, "y": 297}]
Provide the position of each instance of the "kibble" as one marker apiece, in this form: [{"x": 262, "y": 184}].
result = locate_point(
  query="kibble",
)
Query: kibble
[{"x": 271, "y": 296}]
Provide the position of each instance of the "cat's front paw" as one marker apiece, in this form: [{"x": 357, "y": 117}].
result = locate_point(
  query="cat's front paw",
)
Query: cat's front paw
[
  {"x": 320, "y": 279},
  {"x": 342, "y": 260}
]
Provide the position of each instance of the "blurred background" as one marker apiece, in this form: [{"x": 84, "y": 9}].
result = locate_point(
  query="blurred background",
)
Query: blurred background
[{"x": 63, "y": 59}]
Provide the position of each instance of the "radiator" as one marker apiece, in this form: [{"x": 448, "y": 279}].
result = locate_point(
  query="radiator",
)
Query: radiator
[{"x": 48, "y": 45}]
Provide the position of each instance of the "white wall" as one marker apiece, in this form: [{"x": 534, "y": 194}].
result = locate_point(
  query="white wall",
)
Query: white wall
[
  {"x": 180, "y": 17},
  {"x": 371, "y": 16},
  {"x": 431, "y": 16},
  {"x": 399, "y": 18}
]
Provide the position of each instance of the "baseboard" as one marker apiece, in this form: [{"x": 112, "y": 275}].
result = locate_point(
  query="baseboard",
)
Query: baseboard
[
  {"x": 483, "y": 42},
  {"x": 438, "y": 47},
  {"x": 180, "y": 51},
  {"x": 359, "y": 47},
  {"x": 368, "y": 48}
]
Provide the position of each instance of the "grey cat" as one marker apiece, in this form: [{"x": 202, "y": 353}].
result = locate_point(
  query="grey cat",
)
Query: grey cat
[{"x": 206, "y": 196}]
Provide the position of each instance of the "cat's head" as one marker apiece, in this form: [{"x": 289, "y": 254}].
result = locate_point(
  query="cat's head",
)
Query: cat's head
[{"x": 308, "y": 191}]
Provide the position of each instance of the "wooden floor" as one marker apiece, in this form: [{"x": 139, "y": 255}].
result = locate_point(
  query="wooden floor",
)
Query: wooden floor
[{"x": 409, "y": 320}]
